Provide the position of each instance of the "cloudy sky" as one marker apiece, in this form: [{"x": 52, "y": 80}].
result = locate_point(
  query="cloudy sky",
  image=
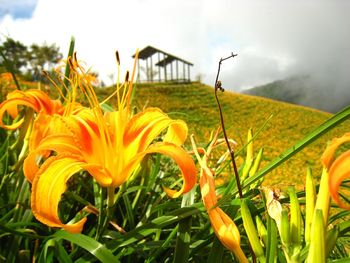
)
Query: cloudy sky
[{"x": 274, "y": 39}]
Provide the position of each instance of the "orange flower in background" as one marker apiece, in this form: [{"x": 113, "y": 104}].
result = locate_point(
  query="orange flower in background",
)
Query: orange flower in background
[
  {"x": 224, "y": 227},
  {"x": 110, "y": 146},
  {"x": 338, "y": 168},
  {"x": 37, "y": 100}
]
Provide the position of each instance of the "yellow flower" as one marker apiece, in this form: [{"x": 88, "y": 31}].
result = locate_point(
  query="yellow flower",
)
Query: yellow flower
[
  {"x": 224, "y": 227},
  {"x": 338, "y": 168},
  {"x": 110, "y": 146}
]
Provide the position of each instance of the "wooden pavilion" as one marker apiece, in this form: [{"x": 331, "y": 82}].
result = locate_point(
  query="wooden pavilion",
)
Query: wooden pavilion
[{"x": 161, "y": 66}]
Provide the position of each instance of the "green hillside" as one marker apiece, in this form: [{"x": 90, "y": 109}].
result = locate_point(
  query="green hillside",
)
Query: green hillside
[{"x": 195, "y": 103}]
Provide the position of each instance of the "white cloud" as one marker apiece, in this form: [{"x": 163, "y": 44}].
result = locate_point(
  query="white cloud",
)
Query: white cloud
[{"x": 274, "y": 39}]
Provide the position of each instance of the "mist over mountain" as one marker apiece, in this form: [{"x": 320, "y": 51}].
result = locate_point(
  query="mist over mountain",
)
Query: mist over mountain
[{"x": 304, "y": 90}]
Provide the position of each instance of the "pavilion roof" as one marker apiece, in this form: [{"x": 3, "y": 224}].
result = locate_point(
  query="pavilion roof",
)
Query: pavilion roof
[{"x": 150, "y": 51}]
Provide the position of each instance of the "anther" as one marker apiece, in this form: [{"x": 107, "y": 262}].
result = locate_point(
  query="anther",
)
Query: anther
[
  {"x": 117, "y": 56},
  {"x": 75, "y": 57}
]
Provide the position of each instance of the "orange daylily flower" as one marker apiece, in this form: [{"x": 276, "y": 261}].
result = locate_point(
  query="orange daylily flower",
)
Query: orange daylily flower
[
  {"x": 224, "y": 227},
  {"x": 38, "y": 100},
  {"x": 110, "y": 146},
  {"x": 338, "y": 169}
]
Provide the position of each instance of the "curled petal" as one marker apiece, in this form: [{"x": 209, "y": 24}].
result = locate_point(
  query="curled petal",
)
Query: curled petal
[
  {"x": 60, "y": 143},
  {"x": 48, "y": 186},
  {"x": 177, "y": 132},
  {"x": 146, "y": 126},
  {"x": 11, "y": 107},
  {"x": 338, "y": 172},
  {"x": 35, "y": 99},
  {"x": 179, "y": 155},
  {"x": 328, "y": 155}
]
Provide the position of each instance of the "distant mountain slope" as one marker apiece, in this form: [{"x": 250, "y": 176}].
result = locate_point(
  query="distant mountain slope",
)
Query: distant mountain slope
[
  {"x": 303, "y": 90},
  {"x": 195, "y": 104}
]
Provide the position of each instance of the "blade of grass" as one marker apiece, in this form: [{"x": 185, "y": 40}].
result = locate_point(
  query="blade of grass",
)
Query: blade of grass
[
  {"x": 184, "y": 234},
  {"x": 217, "y": 251},
  {"x": 271, "y": 249},
  {"x": 67, "y": 69},
  {"x": 165, "y": 244},
  {"x": 92, "y": 246},
  {"x": 129, "y": 212},
  {"x": 155, "y": 224}
]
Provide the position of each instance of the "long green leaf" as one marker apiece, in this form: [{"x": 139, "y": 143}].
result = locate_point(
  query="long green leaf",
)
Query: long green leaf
[
  {"x": 158, "y": 223},
  {"x": 216, "y": 252},
  {"x": 271, "y": 250},
  {"x": 184, "y": 234},
  {"x": 89, "y": 244},
  {"x": 67, "y": 69}
]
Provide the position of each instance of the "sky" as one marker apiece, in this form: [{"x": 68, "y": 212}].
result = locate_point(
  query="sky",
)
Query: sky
[{"x": 273, "y": 39}]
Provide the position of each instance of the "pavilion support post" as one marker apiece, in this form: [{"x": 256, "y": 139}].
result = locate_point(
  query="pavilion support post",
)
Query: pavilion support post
[
  {"x": 183, "y": 71},
  {"x": 159, "y": 74},
  {"x": 188, "y": 72},
  {"x": 147, "y": 77},
  {"x": 138, "y": 71},
  {"x": 165, "y": 76},
  {"x": 177, "y": 70},
  {"x": 171, "y": 71},
  {"x": 151, "y": 69}
]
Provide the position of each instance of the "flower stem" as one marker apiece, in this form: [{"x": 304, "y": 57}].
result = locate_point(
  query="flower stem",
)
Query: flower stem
[
  {"x": 219, "y": 87},
  {"x": 110, "y": 201}
]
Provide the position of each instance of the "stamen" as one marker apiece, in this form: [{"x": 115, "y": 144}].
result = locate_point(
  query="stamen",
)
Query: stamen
[
  {"x": 117, "y": 57},
  {"x": 70, "y": 62}
]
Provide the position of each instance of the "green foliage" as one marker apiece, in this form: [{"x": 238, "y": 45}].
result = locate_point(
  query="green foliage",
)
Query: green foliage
[{"x": 28, "y": 61}]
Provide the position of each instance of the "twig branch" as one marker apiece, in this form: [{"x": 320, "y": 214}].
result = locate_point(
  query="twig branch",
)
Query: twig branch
[{"x": 218, "y": 86}]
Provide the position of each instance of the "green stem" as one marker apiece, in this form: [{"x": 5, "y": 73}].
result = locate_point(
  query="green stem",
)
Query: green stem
[{"x": 110, "y": 201}]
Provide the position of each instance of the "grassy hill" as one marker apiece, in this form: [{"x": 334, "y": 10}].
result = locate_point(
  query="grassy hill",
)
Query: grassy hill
[{"x": 195, "y": 103}]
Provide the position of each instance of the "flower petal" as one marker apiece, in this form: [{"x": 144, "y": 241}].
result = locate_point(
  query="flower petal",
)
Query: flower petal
[
  {"x": 328, "y": 154},
  {"x": 101, "y": 175},
  {"x": 48, "y": 186},
  {"x": 338, "y": 172},
  {"x": 35, "y": 99},
  {"x": 225, "y": 229},
  {"x": 146, "y": 126},
  {"x": 207, "y": 185},
  {"x": 60, "y": 143},
  {"x": 179, "y": 155}
]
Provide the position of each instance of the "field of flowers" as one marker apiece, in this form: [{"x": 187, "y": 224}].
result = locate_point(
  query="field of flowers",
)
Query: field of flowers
[{"x": 144, "y": 173}]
